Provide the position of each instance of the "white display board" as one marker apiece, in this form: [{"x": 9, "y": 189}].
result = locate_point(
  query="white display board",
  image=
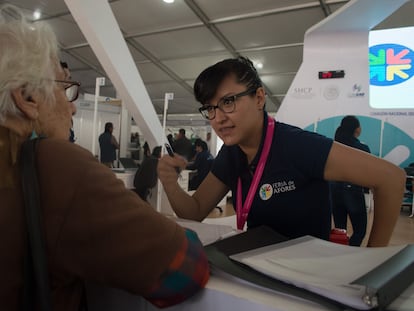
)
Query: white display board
[
  {"x": 84, "y": 118},
  {"x": 317, "y": 100}
]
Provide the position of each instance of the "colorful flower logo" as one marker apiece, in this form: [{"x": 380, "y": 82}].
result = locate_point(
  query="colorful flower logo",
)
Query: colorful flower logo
[
  {"x": 265, "y": 192},
  {"x": 390, "y": 64}
]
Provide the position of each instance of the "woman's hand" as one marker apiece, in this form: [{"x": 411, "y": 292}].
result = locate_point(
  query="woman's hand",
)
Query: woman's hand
[{"x": 169, "y": 167}]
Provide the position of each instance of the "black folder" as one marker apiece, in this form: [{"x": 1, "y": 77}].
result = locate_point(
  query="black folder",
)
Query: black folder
[
  {"x": 384, "y": 283},
  {"x": 387, "y": 281}
]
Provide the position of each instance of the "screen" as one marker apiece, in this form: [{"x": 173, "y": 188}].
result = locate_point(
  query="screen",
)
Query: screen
[{"x": 391, "y": 68}]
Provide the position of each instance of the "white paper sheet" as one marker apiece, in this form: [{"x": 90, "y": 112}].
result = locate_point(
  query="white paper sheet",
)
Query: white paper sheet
[{"x": 319, "y": 266}]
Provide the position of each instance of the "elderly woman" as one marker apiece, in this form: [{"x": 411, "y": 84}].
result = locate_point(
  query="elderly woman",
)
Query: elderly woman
[
  {"x": 279, "y": 174},
  {"x": 94, "y": 229}
]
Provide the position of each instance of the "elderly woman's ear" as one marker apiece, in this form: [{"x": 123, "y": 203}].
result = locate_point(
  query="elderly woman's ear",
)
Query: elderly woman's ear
[{"x": 25, "y": 103}]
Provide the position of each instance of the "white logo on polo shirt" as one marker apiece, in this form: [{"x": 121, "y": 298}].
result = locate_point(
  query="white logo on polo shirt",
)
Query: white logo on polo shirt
[{"x": 283, "y": 186}]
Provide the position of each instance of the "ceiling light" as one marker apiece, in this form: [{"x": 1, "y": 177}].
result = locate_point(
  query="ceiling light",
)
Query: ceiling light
[
  {"x": 259, "y": 65},
  {"x": 168, "y": 1},
  {"x": 37, "y": 14}
]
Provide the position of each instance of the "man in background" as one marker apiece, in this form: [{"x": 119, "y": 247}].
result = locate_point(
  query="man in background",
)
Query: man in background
[
  {"x": 108, "y": 145},
  {"x": 202, "y": 164},
  {"x": 183, "y": 146}
]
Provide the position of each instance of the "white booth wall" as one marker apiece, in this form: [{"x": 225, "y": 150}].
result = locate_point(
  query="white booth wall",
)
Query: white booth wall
[
  {"x": 83, "y": 125},
  {"x": 318, "y": 104},
  {"x": 83, "y": 122}
]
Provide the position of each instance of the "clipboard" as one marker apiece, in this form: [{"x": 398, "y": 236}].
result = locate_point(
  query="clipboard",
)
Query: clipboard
[
  {"x": 218, "y": 255},
  {"x": 382, "y": 284}
]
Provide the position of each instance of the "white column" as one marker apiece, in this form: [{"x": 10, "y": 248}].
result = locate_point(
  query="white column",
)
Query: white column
[
  {"x": 100, "y": 28},
  {"x": 98, "y": 83},
  {"x": 167, "y": 97},
  {"x": 125, "y": 131}
]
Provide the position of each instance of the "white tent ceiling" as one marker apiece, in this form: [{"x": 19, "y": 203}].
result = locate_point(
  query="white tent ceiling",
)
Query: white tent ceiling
[{"x": 172, "y": 43}]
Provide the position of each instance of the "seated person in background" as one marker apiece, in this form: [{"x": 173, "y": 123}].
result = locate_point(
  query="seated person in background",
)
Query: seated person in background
[
  {"x": 182, "y": 145},
  {"x": 146, "y": 150},
  {"x": 146, "y": 176},
  {"x": 94, "y": 229},
  {"x": 156, "y": 152},
  {"x": 278, "y": 174},
  {"x": 202, "y": 163}
]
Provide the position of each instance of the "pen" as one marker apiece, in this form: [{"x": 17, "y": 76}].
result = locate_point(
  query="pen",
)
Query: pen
[
  {"x": 171, "y": 154},
  {"x": 169, "y": 150}
]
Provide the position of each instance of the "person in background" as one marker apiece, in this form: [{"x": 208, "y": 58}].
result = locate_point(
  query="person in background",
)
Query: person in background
[
  {"x": 411, "y": 183},
  {"x": 202, "y": 163},
  {"x": 156, "y": 152},
  {"x": 72, "y": 137},
  {"x": 182, "y": 145},
  {"x": 146, "y": 149},
  {"x": 108, "y": 145},
  {"x": 95, "y": 230},
  {"x": 145, "y": 177},
  {"x": 278, "y": 174},
  {"x": 347, "y": 198},
  {"x": 409, "y": 189},
  {"x": 135, "y": 139},
  {"x": 170, "y": 139},
  {"x": 208, "y": 141}
]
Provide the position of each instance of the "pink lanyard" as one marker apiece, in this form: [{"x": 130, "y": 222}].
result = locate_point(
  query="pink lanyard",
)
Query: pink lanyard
[{"x": 243, "y": 210}]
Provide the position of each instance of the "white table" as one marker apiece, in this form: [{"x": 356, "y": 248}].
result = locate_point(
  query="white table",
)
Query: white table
[
  {"x": 127, "y": 178},
  {"x": 220, "y": 294}
]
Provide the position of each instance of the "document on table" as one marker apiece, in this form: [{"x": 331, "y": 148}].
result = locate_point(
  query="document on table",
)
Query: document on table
[
  {"x": 208, "y": 233},
  {"x": 319, "y": 266}
]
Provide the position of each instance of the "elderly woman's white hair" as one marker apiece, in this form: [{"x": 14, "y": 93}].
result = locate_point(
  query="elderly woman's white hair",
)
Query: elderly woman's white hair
[{"x": 28, "y": 58}]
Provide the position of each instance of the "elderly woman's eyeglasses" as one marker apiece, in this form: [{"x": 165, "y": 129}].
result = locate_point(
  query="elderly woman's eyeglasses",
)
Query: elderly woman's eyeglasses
[
  {"x": 226, "y": 104},
  {"x": 71, "y": 89}
]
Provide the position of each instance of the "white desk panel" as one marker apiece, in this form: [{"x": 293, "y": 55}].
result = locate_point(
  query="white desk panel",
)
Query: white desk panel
[{"x": 220, "y": 294}]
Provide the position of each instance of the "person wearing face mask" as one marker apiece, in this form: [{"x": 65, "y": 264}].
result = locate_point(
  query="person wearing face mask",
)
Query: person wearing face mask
[
  {"x": 278, "y": 174},
  {"x": 95, "y": 230},
  {"x": 348, "y": 199}
]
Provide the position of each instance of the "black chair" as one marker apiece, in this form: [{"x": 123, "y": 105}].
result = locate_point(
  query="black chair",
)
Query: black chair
[
  {"x": 146, "y": 177},
  {"x": 128, "y": 163}
]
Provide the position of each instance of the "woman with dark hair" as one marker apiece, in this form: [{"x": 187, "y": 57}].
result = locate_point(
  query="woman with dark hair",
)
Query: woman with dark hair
[
  {"x": 347, "y": 198},
  {"x": 348, "y": 132},
  {"x": 279, "y": 174}
]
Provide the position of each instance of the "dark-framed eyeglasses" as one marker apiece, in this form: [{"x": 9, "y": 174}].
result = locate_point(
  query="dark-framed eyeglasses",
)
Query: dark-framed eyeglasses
[
  {"x": 71, "y": 89},
  {"x": 227, "y": 104}
]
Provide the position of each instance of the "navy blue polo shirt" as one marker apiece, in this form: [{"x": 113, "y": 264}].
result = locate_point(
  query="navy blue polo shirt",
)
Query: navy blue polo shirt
[{"x": 292, "y": 197}]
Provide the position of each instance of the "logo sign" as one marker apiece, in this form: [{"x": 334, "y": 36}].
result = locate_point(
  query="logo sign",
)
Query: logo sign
[
  {"x": 265, "y": 192},
  {"x": 390, "y": 64},
  {"x": 303, "y": 92},
  {"x": 331, "y": 92},
  {"x": 357, "y": 91}
]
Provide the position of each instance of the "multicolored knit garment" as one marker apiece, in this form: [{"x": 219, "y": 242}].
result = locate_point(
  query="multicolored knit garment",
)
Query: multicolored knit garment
[{"x": 187, "y": 273}]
